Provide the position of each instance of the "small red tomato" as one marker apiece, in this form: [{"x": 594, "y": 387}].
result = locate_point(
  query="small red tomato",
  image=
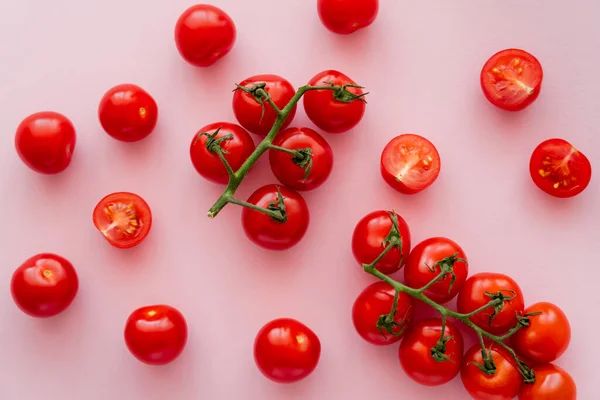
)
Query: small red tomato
[
  {"x": 373, "y": 302},
  {"x": 123, "y": 218},
  {"x": 204, "y": 34},
  {"x": 512, "y": 79},
  {"x": 45, "y": 142},
  {"x": 410, "y": 163},
  {"x": 268, "y": 232},
  {"x": 368, "y": 241},
  {"x": 290, "y": 170},
  {"x": 128, "y": 113},
  {"x": 559, "y": 169},
  {"x": 347, "y": 16},
  {"x": 259, "y": 117},
  {"x": 324, "y": 108},
  {"x": 286, "y": 350},
  {"x": 236, "y": 150},
  {"x": 44, "y": 285},
  {"x": 551, "y": 383},
  {"x": 416, "y": 352},
  {"x": 156, "y": 335}
]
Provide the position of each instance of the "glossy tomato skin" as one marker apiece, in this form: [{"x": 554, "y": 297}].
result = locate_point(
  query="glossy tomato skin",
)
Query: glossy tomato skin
[
  {"x": 347, "y": 16},
  {"x": 249, "y": 112},
  {"x": 45, "y": 142},
  {"x": 156, "y": 334},
  {"x": 286, "y": 350},
  {"x": 512, "y": 79},
  {"x": 204, "y": 34},
  {"x": 415, "y": 352},
  {"x": 559, "y": 169},
  {"x": 44, "y": 285},
  {"x": 551, "y": 383},
  {"x": 329, "y": 114},
  {"x": 236, "y": 151},
  {"x": 368, "y": 238},
  {"x": 128, "y": 113},
  {"x": 291, "y": 174},
  {"x": 425, "y": 255},
  {"x": 269, "y": 233}
]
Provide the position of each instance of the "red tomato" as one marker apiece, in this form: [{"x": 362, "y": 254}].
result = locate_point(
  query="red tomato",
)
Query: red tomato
[
  {"x": 236, "y": 150},
  {"x": 425, "y": 257},
  {"x": 268, "y": 232},
  {"x": 45, "y": 142},
  {"x": 547, "y": 336},
  {"x": 44, "y": 285},
  {"x": 368, "y": 241},
  {"x": 347, "y": 16},
  {"x": 473, "y": 296},
  {"x": 373, "y": 302},
  {"x": 128, "y": 113},
  {"x": 551, "y": 383},
  {"x": 156, "y": 334},
  {"x": 292, "y": 174},
  {"x": 559, "y": 169},
  {"x": 512, "y": 79},
  {"x": 416, "y": 355},
  {"x": 204, "y": 34},
  {"x": 259, "y": 118},
  {"x": 123, "y": 218},
  {"x": 286, "y": 350},
  {"x": 328, "y": 113}
]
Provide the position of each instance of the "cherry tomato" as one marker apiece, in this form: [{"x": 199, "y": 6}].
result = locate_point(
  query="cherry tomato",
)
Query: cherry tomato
[
  {"x": 268, "y": 232},
  {"x": 128, "y": 113},
  {"x": 474, "y": 295},
  {"x": 347, "y": 16},
  {"x": 328, "y": 113},
  {"x": 291, "y": 173},
  {"x": 424, "y": 258},
  {"x": 44, "y": 285},
  {"x": 410, "y": 163},
  {"x": 156, "y": 334},
  {"x": 551, "y": 383},
  {"x": 512, "y": 79},
  {"x": 286, "y": 350},
  {"x": 416, "y": 354},
  {"x": 45, "y": 142},
  {"x": 373, "y": 302},
  {"x": 368, "y": 241},
  {"x": 235, "y": 150},
  {"x": 259, "y": 118},
  {"x": 204, "y": 34},
  {"x": 559, "y": 169},
  {"x": 123, "y": 218}
]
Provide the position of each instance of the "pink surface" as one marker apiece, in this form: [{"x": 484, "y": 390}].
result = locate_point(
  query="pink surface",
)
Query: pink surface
[{"x": 421, "y": 62}]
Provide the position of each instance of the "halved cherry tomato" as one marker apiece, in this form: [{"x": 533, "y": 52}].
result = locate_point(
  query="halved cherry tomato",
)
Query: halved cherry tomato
[
  {"x": 347, "y": 16},
  {"x": 123, "y": 218},
  {"x": 551, "y": 383}
]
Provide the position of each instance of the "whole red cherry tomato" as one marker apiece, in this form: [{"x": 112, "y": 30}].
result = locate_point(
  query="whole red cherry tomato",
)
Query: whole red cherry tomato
[
  {"x": 326, "y": 111},
  {"x": 128, "y": 113},
  {"x": 156, "y": 334},
  {"x": 559, "y": 169},
  {"x": 368, "y": 241},
  {"x": 290, "y": 171},
  {"x": 268, "y": 232},
  {"x": 123, "y": 218},
  {"x": 236, "y": 150},
  {"x": 376, "y": 300},
  {"x": 45, "y": 142},
  {"x": 422, "y": 267},
  {"x": 347, "y": 16},
  {"x": 258, "y": 117},
  {"x": 480, "y": 289},
  {"x": 204, "y": 34},
  {"x": 286, "y": 350},
  {"x": 417, "y": 357},
  {"x": 44, "y": 285},
  {"x": 512, "y": 79},
  {"x": 551, "y": 383}
]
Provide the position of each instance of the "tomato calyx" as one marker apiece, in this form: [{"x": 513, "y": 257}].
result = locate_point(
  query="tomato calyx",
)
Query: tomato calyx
[
  {"x": 387, "y": 323},
  {"x": 525, "y": 320},
  {"x": 497, "y": 302},
  {"x": 279, "y": 207},
  {"x": 212, "y": 143},
  {"x": 303, "y": 159},
  {"x": 446, "y": 266},
  {"x": 258, "y": 92},
  {"x": 393, "y": 239},
  {"x": 488, "y": 366},
  {"x": 341, "y": 93}
]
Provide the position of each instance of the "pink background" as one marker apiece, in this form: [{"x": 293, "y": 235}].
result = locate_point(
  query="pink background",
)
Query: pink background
[{"x": 421, "y": 62}]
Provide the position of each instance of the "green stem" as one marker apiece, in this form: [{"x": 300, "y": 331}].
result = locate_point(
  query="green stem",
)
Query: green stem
[
  {"x": 271, "y": 213},
  {"x": 219, "y": 152},
  {"x": 294, "y": 153},
  {"x": 433, "y": 281}
]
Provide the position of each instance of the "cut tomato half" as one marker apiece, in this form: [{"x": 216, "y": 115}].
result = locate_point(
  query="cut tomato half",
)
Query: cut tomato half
[{"x": 123, "y": 218}]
